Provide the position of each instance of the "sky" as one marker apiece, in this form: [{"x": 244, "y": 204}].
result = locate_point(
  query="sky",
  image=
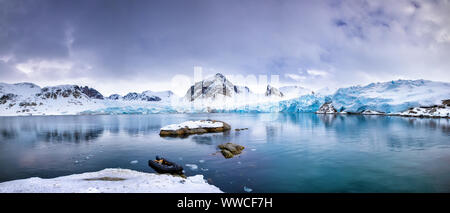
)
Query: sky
[{"x": 124, "y": 46}]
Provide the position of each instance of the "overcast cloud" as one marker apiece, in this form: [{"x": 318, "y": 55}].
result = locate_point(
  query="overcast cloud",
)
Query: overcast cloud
[{"x": 121, "y": 46}]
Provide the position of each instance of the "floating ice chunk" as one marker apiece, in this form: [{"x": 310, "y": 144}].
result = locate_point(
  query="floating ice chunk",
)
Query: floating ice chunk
[
  {"x": 201, "y": 161},
  {"x": 192, "y": 166},
  {"x": 247, "y": 189},
  {"x": 134, "y": 162}
]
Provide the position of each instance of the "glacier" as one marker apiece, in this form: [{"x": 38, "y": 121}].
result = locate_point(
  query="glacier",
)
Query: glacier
[{"x": 390, "y": 97}]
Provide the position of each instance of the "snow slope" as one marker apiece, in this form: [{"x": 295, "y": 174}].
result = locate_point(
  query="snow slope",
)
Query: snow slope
[{"x": 126, "y": 181}]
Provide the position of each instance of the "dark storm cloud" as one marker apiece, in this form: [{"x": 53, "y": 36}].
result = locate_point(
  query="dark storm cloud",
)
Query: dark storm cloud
[{"x": 145, "y": 42}]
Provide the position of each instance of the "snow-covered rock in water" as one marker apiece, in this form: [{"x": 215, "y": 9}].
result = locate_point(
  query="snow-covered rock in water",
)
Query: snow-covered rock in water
[
  {"x": 194, "y": 127},
  {"x": 213, "y": 87},
  {"x": 272, "y": 91},
  {"x": 294, "y": 91},
  {"x": 326, "y": 108},
  {"x": 390, "y": 97},
  {"x": 111, "y": 181}
]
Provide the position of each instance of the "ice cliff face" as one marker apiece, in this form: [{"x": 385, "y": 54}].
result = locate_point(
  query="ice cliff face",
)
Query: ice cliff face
[{"x": 390, "y": 97}]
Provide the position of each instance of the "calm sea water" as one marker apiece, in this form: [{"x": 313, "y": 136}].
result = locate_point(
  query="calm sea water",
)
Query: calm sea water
[{"x": 298, "y": 152}]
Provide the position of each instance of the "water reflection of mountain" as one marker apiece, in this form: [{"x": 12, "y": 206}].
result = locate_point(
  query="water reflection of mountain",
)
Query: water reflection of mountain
[
  {"x": 8, "y": 134},
  {"x": 391, "y": 129},
  {"x": 432, "y": 123},
  {"x": 208, "y": 140},
  {"x": 77, "y": 135},
  {"x": 211, "y": 138}
]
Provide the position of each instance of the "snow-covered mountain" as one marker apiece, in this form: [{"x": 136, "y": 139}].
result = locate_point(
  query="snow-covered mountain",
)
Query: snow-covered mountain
[
  {"x": 163, "y": 96},
  {"x": 272, "y": 91},
  {"x": 217, "y": 94},
  {"x": 215, "y": 87},
  {"x": 28, "y": 98},
  {"x": 114, "y": 97},
  {"x": 132, "y": 96}
]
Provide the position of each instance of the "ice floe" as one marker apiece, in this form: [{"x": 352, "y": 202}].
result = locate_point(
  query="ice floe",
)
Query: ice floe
[{"x": 192, "y": 166}]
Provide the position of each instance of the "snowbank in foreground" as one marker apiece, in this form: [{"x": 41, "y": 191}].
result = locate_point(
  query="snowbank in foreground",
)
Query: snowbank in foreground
[{"x": 114, "y": 181}]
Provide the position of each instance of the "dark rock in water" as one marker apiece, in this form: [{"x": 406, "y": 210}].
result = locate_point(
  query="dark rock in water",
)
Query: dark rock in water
[
  {"x": 91, "y": 92},
  {"x": 230, "y": 149},
  {"x": 226, "y": 153}
]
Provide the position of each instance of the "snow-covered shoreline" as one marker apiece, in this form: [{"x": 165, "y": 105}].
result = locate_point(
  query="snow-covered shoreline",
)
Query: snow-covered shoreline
[{"x": 111, "y": 181}]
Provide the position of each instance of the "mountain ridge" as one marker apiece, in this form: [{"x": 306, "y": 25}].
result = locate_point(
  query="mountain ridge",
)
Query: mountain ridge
[{"x": 387, "y": 97}]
